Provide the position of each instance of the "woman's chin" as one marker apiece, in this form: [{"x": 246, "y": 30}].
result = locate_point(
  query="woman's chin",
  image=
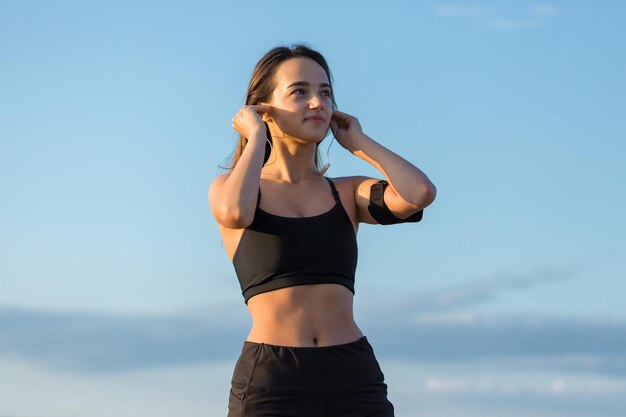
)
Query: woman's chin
[
  {"x": 309, "y": 136},
  {"x": 311, "y": 132},
  {"x": 317, "y": 136}
]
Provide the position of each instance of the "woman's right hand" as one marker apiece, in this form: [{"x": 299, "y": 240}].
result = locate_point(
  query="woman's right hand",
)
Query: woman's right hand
[{"x": 248, "y": 122}]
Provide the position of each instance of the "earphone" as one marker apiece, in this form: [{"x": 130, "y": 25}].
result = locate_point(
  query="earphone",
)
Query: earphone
[
  {"x": 324, "y": 168},
  {"x": 327, "y": 164}
]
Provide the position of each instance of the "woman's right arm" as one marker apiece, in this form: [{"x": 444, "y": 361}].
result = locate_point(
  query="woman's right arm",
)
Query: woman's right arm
[{"x": 233, "y": 197}]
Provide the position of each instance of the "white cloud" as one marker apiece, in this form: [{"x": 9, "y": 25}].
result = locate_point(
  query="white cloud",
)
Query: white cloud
[
  {"x": 512, "y": 24},
  {"x": 536, "y": 384},
  {"x": 544, "y": 9},
  {"x": 490, "y": 18},
  {"x": 456, "y": 317},
  {"x": 558, "y": 385},
  {"x": 456, "y": 10}
]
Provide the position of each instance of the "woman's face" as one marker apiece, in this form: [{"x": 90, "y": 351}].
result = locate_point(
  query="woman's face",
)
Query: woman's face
[{"x": 301, "y": 101}]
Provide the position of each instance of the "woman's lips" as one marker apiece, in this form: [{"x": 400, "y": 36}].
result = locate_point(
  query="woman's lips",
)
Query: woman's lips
[{"x": 315, "y": 119}]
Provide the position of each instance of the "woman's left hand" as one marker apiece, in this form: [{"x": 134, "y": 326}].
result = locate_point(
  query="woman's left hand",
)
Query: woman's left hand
[{"x": 347, "y": 129}]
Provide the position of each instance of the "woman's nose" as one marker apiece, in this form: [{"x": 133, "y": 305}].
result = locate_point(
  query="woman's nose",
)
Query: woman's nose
[{"x": 316, "y": 102}]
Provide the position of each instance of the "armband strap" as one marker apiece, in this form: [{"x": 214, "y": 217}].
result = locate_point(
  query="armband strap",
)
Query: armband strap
[{"x": 379, "y": 210}]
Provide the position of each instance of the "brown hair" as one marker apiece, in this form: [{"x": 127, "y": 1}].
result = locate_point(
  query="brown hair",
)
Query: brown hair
[{"x": 262, "y": 86}]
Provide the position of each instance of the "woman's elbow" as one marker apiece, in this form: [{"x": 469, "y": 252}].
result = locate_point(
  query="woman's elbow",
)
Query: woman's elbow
[{"x": 428, "y": 196}]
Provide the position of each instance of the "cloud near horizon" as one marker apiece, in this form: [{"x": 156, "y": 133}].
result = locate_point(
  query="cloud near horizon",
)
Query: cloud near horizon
[
  {"x": 440, "y": 302},
  {"x": 100, "y": 343},
  {"x": 434, "y": 325}
]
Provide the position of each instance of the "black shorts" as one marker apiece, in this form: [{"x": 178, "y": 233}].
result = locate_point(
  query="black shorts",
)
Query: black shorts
[{"x": 329, "y": 381}]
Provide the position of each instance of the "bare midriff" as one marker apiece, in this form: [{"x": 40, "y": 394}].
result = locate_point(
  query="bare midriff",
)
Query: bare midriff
[{"x": 304, "y": 315}]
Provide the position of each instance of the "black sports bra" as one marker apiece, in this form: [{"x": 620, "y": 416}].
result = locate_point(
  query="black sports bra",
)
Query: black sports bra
[{"x": 277, "y": 252}]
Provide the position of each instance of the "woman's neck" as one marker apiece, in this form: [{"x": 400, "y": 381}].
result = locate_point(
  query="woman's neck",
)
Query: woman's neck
[
  {"x": 290, "y": 176},
  {"x": 291, "y": 163}
]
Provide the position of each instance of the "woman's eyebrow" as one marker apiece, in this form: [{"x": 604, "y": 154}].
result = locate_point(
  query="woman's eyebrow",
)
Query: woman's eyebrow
[{"x": 307, "y": 84}]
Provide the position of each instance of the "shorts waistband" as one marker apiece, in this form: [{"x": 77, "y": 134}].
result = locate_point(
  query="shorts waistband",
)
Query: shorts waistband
[{"x": 249, "y": 344}]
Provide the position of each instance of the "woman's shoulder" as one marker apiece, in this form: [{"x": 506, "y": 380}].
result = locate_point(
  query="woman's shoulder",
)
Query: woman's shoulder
[
  {"x": 219, "y": 180},
  {"x": 216, "y": 186},
  {"x": 222, "y": 176}
]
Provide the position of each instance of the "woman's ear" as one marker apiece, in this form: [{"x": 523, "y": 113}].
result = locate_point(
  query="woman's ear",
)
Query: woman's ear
[{"x": 271, "y": 124}]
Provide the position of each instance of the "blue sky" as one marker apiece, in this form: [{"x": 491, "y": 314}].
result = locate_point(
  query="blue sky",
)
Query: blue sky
[{"x": 506, "y": 299}]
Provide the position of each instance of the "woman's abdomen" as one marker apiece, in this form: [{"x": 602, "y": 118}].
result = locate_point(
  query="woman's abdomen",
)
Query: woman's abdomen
[{"x": 304, "y": 315}]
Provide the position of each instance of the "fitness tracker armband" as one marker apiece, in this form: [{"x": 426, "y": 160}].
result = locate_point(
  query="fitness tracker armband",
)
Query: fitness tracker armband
[{"x": 379, "y": 210}]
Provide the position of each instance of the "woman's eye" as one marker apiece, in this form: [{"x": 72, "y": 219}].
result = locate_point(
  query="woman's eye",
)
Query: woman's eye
[{"x": 300, "y": 91}]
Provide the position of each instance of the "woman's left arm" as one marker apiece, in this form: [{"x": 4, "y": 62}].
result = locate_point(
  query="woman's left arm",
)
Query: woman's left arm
[{"x": 409, "y": 189}]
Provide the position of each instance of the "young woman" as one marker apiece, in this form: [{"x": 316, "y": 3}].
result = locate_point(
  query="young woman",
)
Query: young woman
[{"x": 291, "y": 235}]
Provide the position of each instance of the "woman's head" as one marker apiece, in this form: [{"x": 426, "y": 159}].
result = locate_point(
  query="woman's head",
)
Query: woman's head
[{"x": 273, "y": 73}]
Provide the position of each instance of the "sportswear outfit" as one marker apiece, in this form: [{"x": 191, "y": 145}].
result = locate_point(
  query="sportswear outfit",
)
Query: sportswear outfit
[{"x": 291, "y": 381}]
